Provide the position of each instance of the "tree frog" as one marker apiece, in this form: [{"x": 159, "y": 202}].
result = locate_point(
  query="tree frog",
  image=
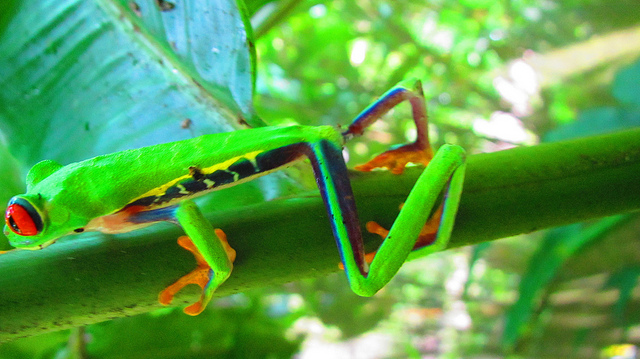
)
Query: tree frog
[{"x": 127, "y": 190}]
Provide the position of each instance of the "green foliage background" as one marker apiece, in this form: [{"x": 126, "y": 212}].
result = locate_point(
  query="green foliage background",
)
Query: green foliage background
[{"x": 567, "y": 292}]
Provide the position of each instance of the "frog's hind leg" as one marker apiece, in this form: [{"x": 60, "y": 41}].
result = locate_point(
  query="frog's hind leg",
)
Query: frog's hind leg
[{"x": 396, "y": 158}]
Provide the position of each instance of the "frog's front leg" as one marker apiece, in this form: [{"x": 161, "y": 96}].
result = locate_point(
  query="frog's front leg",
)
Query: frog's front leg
[{"x": 212, "y": 252}]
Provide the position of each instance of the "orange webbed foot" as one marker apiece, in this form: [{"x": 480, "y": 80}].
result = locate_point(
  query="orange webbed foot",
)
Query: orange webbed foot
[
  {"x": 395, "y": 160},
  {"x": 199, "y": 276}
]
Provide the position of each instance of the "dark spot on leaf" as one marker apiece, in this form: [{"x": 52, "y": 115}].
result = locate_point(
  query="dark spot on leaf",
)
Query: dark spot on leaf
[
  {"x": 242, "y": 121},
  {"x": 165, "y": 5},
  {"x": 135, "y": 8}
]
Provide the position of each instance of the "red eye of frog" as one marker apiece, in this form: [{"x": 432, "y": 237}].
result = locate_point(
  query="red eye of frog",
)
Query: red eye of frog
[{"x": 22, "y": 218}]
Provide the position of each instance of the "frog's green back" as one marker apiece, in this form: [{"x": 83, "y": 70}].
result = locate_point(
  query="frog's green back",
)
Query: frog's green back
[{"x": 107, "y": 183}]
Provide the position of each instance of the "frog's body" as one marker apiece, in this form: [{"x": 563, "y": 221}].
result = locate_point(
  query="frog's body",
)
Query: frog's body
[
  {"x": 161, "y": 175},
  {"x": 127, "y": 190}
]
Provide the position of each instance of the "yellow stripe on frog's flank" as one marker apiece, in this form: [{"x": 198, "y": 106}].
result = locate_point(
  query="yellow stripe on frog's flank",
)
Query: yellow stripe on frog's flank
[{"x": 159, "y": 191}]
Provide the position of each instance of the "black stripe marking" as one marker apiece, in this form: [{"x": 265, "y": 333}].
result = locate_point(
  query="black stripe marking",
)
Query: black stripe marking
[
  {"x": 220, "y": 177},
  {"x": 243, "y": 167},
  {"x": 275, "y": 158},
  {"x": 192, "y": 186},
  {"x": 171, "y": 193}
]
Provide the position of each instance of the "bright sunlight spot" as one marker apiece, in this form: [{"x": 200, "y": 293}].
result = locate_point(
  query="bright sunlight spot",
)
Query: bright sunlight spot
[
  {"x": 318, "y": 11},
  {"x": 620, "y": 351},
  {"x": 505, "y": 127},
  {"x": 358, "y": 52},
  {"x": 518, "y": 87}
]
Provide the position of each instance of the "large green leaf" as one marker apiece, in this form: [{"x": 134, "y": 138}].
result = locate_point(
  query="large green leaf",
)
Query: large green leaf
[
  {"x": 625, "y": 281},
  {"x": 559, "y": 245},
  {"x": 82, "y": 78}
]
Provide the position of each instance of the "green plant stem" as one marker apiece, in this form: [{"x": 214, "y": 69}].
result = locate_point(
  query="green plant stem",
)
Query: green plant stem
[{"x": 95, "y": 277}]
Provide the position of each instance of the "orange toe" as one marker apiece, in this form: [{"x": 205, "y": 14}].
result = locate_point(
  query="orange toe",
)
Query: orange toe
[
  {"x": 199, "y": 276},
  {"x": 395, "y": 160}
]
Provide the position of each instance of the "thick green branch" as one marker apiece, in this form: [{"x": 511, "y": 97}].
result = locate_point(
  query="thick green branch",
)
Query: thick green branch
[{"x": 96, "y": 277}]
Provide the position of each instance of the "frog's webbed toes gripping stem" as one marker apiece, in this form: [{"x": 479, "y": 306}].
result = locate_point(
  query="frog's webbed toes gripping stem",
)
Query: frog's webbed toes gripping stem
[
  {"x": 425, "y": 222},
  {"x": 214, "y": 258}
]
